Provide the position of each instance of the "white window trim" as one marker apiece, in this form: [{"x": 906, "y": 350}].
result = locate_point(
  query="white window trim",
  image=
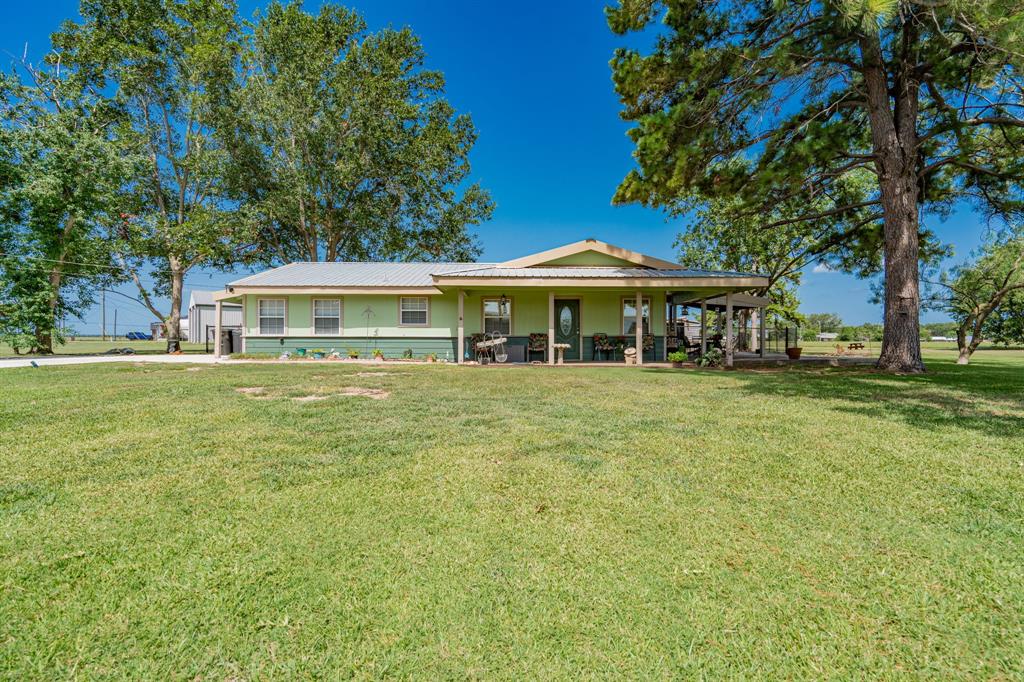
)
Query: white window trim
[
  {"x": 413, "y": 324},
  {"x": 650, "y": 314},
  {"x": 511, "y": 312},
  {"x": 259, "y": 318},
  {"x": 312, "y": 316}
]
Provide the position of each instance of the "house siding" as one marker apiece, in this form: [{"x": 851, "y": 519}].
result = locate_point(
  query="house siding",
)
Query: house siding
[{"x": 600, "y": 312}]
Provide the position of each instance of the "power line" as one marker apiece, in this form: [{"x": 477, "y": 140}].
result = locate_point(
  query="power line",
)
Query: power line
[{"x": 105, "y": 266}]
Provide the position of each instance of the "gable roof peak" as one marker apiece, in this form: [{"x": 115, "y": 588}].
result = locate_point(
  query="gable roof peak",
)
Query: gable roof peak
[{"x": 596, "y": 246}]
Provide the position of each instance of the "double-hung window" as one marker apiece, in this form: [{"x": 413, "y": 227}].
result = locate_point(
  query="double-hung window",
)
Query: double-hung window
[
  {"x": 498, "y": 316},
  {"x": 412, "y": 311},
  {"x": 327, "y": 316},
  {"x": 629, "y": 316},
  {"x": 271, "y": 316}
]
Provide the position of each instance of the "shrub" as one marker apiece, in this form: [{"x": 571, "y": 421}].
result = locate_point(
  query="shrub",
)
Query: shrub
[
  {"x": 713, "y": 358},
  {"x": 677, "y": 356}
]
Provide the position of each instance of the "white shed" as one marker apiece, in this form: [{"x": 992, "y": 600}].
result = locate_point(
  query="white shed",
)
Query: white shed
[
  {"x": 202, "y": 316},
  {"x": 827, "y": 336}
]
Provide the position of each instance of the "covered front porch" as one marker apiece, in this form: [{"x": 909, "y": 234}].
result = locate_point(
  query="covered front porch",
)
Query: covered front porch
[{"x": 599, "y": 326}]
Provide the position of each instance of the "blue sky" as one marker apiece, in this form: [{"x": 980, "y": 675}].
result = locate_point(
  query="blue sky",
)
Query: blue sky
[{"x": 551, "y": 148}]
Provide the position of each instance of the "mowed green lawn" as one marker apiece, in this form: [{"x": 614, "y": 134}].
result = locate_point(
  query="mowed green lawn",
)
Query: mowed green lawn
[
  {"x": 516, "y": 523},
  {"x": 94, "y": 345}
]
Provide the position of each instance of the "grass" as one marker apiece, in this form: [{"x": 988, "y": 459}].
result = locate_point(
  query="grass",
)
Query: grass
[
  {"x": 95, "y": 345},
  {"x": 512, "y": 522}
]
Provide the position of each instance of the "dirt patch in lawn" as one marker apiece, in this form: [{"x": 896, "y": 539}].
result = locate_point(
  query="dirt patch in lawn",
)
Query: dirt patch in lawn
[
  {"x": 261, "y": 393},
  {"x": 348, "y": 391},
  {"x": 376, "y": 374}
]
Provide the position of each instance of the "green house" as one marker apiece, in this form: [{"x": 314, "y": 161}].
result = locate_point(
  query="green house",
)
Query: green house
[{"x": 578, "y": 300}]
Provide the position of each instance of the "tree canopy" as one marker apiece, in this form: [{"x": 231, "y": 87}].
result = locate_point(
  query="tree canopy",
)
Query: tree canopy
[
  {"x": 61, "y": 180},
  {"x": 344, "y": 147},
  {"x": 764, "y": 103},
  {"x": 978, "y": 289}
]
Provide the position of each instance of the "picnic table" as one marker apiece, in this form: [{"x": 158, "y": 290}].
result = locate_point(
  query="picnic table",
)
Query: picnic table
[{"x": 855, "y": 346}]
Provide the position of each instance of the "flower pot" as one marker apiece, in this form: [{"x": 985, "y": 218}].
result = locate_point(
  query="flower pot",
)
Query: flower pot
[
  {"x": 677, "y": 365},
  {"x": 794, "y": 353}
]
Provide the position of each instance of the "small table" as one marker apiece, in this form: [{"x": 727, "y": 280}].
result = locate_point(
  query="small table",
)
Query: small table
[{"x": 560, "y": 352}]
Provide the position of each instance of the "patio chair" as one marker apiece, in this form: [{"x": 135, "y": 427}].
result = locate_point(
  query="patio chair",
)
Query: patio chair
[
  {"x": 537, "y": 343},
  {"x": 602, "y": 346}
]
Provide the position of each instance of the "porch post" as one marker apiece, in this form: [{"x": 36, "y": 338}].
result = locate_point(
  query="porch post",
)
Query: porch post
[
  {"x": 216, "y": 329},
  {"x": 670, "y": 303},
  {"x": 703, "y": 325},
  {"x": 640, "y": 327},
  {"x": 461, "y": 350},
  {"x": 551, "y": 327},
  {"x": 728, "y": 329},
  {"x": 760, "y": 320}
]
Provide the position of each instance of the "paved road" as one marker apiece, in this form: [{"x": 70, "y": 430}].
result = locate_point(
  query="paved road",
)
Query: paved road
[{"x": 89, "y": 359}]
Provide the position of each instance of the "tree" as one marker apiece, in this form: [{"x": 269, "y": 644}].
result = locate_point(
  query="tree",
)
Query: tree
[
  {"x": 925, "y": 96},
  {"x": 169, "y": 65},
  {"x": 723, "y": 234},
  {"x": 823, "y": 322},
  {"x": 972, "y": 292},
  {"x": 1005, "y": 324},
  {"x": 344, "y": 146},
  {"x": 62, "y": 176}
]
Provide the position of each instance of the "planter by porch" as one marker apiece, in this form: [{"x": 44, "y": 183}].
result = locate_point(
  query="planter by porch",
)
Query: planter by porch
[
  {"x": 794, "y": 353},
  {"x": 677, "y": 365}
]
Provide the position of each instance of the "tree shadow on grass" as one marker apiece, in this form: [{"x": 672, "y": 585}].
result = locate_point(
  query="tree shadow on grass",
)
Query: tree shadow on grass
[{"x": 987, "y": 398}]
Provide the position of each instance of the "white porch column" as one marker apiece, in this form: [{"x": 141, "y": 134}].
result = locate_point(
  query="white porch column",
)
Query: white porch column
[
  {"x": 461, "y": 350},
  {"x": 551, "y": 327},
  {"x": 728, "y": 329},
  {"x": 669, "y": 321},
  {"x": 640, "y": 327},
  {"x": 703, "y": 326},
  {"x": 761, "y": 334},
  {"x": 216, "y": 329}
]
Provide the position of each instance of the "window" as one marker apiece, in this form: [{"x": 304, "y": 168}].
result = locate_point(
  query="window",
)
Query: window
[
  {"x": 412, "y": 312},
  {"x": 327, "y": 316},
  {"x": 498, "y": 315},
  {"x": 271, "y": 316},
  {"x": 629, "y": 316}
]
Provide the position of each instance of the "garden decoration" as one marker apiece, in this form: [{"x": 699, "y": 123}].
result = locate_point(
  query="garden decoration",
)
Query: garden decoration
[
  {"x": 367, "y": 313},
  {"x": 560, "y": 352}
]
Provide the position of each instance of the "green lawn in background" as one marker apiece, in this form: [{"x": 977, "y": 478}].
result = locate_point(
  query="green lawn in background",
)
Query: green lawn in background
[
  {"x": 512, "y": 522},
  {"x": 95, "y": 345}
]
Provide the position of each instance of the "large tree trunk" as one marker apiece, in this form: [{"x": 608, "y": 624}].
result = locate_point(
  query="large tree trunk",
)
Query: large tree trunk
[
  {"x": 901, "y": 337},
  {"x": 893, "y": 119},
  {"x": 173, "y": 324}
]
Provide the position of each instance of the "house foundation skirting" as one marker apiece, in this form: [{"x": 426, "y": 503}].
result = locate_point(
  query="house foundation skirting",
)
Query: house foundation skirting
[{"x": 396, "y": 347}]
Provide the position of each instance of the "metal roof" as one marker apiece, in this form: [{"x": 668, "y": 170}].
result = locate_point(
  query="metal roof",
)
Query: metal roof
[
  {"x": 197, "y": 298},
  {"x": 591, "y": 272},
  {"x": 385, "y": 275},
  {"x": 354, "y": 274}
]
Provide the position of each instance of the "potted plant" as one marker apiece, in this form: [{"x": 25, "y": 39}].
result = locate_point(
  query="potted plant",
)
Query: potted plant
[
  {"x": 677, "y": 358},
  {"x": 318, "y": 353},
  {"x": 794, "y": 352},
  {"x": 431, "y": 357},
  {"x": 378, "y": 355},
  {"x": 353, "y": 353}
]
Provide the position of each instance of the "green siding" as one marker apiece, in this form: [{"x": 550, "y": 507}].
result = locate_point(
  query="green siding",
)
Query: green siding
[
  {"x": 589, "y": 258},
  {"x": 392, "y": 347},
  {"x": 600, "y": 311}
]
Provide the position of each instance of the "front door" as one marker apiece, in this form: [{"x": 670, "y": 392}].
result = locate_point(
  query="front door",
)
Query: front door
[{"x": 567, "y": 326}]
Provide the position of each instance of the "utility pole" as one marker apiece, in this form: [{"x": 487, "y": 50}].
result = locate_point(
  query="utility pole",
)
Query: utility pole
[
  {"x": 115, "y": 324},
  {"x": 103, "y": 313}
]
